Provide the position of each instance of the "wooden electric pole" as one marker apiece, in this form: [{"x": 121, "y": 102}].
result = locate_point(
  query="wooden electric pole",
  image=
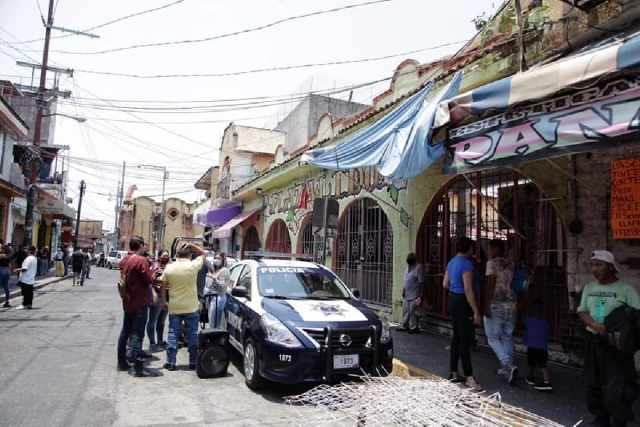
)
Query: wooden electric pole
[{"x": 75, "y": 236}]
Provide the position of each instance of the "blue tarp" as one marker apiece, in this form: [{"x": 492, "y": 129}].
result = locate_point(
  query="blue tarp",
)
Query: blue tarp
[{"x": 399, "y": 144}]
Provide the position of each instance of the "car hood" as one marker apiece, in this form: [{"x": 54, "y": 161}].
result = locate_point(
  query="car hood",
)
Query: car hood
[{"x": 301, "y": 311}]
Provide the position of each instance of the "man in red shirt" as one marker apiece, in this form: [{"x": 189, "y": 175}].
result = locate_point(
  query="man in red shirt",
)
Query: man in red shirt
[{"x": 135, "y": 268}]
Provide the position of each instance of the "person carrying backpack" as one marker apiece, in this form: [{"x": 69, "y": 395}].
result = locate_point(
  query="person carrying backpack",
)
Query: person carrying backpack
[{"x": 610, "y": 373}]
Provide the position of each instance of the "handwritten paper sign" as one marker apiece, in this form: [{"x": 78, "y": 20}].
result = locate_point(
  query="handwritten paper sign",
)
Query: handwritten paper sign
[{"x": 625, "y": 198}]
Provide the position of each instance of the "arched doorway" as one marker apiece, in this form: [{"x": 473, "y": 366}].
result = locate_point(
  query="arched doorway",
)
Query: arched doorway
[
  {"x": 278, "y": 239},
  {"x": 308, "y": 243},
  {"x": 251, "y": 241},
  {"x": 500, "y": 204},
  {"x": 364, "y": 247}
]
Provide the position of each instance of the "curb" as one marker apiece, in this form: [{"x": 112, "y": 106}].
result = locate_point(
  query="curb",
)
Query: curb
[
  {"x": 40, "y": 285},
  {"x": 405, "y": 370}
]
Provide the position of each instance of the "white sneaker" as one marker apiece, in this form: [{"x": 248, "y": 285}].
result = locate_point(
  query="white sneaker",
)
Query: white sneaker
[{"x": 20, "y": 307}]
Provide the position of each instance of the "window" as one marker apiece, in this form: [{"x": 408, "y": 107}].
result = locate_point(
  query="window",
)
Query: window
[
  {"x": 235, "y": 272},
  {"x": 173, "y": 214}
]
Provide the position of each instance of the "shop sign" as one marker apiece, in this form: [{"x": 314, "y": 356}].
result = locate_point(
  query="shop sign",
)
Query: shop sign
[
  {"x": 625, "y": 198},
  {"x": 598, "y": 117}
]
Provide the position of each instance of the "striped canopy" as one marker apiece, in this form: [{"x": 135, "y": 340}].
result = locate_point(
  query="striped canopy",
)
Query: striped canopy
[{"x": 577, "y": 71}]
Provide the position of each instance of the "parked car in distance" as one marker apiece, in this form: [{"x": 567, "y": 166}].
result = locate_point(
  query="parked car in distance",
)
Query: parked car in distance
[{"x": 114, "y": 258}]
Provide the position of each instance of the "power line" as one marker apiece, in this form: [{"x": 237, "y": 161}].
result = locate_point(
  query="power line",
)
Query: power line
[
  {"x": 235, "y": 33},
  {"x": 107, "y": 23},
  {"x": 263, "y": 70}
]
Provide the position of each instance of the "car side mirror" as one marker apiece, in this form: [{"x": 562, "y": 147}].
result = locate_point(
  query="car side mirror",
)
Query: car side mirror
[
  {"x": 239, "y": 292},
  {"x": 355, "y": 292}
]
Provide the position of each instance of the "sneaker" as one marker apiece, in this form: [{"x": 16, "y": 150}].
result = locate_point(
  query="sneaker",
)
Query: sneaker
[
  {"x": 6, "y": 305},
  {"x": 455, "y": 377},
  {"x": 145, "y": 373},
  {"x": 543, "y": 386},
  {"x": 28, "y": 307},
  {"x": 170, "y": 366},
  {"x": 512, "y": 371},
  {"x": 20, "y": 307},
  {"x": 123, "y": 367},
  {"x": 163, "y": 345},
  {"x": 529, "y": 381},
  {"x": 472, "y": 384},
  {"x": 502, "y": 372}
]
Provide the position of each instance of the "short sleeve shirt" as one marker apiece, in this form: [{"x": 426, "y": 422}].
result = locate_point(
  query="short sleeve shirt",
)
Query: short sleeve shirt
[
  {"x": 502, "y": 269},
  {"x": 599, "y": 300},
  {"x": 457, "y": 267},
  {"x": 182, "y": 278},
  {"x": 413, "y": 279}
]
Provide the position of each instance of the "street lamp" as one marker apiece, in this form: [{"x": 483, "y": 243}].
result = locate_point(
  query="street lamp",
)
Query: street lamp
[
  {"x": 76, "y": 118},
  {"x": 165, "y": 176}
]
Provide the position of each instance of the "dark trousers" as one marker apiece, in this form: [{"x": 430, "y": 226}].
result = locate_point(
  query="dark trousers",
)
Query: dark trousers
[
  {"x": 611, "y": 386},
  {"x": 463, "y": 333},
  {"x": 27, "y": 294},
  {"x": 133, "y": 324}
]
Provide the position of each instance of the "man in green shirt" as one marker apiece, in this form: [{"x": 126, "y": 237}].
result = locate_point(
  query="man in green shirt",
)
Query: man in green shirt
[{"x": 610, "y": 373}]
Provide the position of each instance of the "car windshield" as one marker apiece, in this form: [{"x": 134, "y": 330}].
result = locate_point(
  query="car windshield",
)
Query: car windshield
[{"x": 300, "y": 283}]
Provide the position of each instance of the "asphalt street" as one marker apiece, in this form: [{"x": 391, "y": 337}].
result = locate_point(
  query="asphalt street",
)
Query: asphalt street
[{"x": 59, "y": 369}]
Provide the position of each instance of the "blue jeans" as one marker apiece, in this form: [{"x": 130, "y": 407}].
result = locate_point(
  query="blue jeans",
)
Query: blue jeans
[
  {"x": 155, "y": 325},
  {"x": 5, "y": 274},
  {"x": 86, "y": 272},
  {"x": 499, "y": 329},
  {"x": 133, "y": 325},
  {"x": 216, "y": 306},
  {"x": 175, "y": 324}
]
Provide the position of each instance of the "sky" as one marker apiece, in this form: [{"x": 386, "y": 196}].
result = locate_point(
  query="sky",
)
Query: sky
[{"x": 177, "y": 122}]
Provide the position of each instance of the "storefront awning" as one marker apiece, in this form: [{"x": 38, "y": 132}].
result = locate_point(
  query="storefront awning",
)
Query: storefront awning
[
  {"x": 399, "y": 144},
  {"x": 216, "y": 217},
  {"x": 598, "y": 108},
  {"x": 591, "y": 64},
  {"x": 55, "y": 208},
  {"x": 225, "y": 230}
]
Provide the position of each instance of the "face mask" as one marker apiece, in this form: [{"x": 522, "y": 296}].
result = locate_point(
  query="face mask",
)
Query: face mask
[
  {"x": 164, "y": 260},
  {"x": 217, "y": 262},
  {"x": 411, "y": 261}
]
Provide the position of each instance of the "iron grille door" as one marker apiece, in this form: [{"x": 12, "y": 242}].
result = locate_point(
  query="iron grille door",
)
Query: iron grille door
[{"x": 278, "y": 239}]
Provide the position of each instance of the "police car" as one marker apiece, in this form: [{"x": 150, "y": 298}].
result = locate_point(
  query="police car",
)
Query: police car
[{"x": 296, "y": 321}]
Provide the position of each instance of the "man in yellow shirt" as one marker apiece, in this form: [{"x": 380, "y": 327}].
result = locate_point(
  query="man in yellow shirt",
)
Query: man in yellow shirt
[
  {"x": 610, "y": 373},
  {"x": 182, "y": 302}
]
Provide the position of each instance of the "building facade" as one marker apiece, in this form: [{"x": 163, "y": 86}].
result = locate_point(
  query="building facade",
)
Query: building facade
[{"x": 552, "y": 208}]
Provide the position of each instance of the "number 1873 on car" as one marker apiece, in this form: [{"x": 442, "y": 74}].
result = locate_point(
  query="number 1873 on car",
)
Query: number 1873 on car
[{"x": 347, "y": 361}]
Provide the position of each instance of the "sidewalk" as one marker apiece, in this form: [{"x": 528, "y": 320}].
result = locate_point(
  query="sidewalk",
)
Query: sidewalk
[
  {"x": 426, "y": 353},
  {"x": 41, "y": 281}
]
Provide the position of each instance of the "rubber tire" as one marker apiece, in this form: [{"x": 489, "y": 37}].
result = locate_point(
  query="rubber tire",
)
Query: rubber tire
[
  {"x": 109, "y": 265},
  {"x": 256, "y": 382}
]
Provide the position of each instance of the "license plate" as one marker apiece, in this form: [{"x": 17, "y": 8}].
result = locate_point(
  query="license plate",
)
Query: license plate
[{"x": 348, "y": 361}]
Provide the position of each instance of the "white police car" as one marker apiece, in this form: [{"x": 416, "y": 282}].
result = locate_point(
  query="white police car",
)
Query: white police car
[{"x": 296, "y": 321}]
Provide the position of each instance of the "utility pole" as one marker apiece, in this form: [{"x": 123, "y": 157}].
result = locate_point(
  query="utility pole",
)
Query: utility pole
[
  {"x": 165, "y": 176},
  {"x": 75, "y": 237},
  {"x": 37, "y": 131},
  {"x": 119, "y": 201}
]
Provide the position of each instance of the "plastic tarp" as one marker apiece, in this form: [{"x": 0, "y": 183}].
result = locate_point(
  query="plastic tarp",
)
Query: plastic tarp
[
  {"x": 399, "y": 144},
  {"x": 225, "y": 230}
]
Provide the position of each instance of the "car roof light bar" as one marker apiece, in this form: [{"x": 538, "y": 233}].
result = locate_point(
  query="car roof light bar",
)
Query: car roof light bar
[{"x": 263, "y": 254}]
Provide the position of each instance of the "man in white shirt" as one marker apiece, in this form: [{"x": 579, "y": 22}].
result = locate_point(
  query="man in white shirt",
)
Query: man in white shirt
[{"x": 28, "y": 278}]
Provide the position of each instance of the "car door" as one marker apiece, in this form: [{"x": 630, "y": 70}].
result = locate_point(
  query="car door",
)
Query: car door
[{"x": 234, "y": 310}]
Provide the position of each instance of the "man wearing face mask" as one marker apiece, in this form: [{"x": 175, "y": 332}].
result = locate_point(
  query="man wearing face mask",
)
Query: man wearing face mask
[
  {"x": 157, "y": 314},
  {"x": 413, "y": 286}
]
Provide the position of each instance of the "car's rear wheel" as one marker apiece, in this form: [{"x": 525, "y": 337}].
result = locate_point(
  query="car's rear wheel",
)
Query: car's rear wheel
[{"x": 252, "y": 376}]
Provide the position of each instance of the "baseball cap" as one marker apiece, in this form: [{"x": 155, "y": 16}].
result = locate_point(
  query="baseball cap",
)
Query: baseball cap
[{"x": 605, "y": 256}]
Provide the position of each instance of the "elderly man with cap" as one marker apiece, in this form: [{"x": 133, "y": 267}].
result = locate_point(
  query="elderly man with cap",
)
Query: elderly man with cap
[{"x": 610, "y": 373}]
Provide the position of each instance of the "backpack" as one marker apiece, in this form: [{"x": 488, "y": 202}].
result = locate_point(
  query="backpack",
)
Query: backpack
[
  {"x": 622, "y": 329},
  {"x": 522, "y": 276}
]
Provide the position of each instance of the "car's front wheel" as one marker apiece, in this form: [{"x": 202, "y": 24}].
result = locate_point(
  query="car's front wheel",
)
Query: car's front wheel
[
  {"x": 109, "y": 265},
  {"x": 252, "y": 376}
]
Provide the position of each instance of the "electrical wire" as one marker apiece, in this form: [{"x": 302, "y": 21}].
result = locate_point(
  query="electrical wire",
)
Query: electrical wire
[
  {"x": 133, "y": 15},
  {"x": 264, "y": 70},
  {"x": 235, "y": 33}
]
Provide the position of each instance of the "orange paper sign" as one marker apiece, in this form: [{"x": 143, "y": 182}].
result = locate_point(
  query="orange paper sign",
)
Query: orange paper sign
[{"x": 625, "y": 198}]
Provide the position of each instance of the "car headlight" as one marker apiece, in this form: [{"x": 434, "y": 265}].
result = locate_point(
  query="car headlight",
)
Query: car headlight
[
  {"x": 385, "y": 334},
  {"x": 276, "y": 332}
]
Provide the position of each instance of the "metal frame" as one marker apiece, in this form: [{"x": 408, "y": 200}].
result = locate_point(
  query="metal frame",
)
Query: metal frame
[{"x": 364, "y": 251}]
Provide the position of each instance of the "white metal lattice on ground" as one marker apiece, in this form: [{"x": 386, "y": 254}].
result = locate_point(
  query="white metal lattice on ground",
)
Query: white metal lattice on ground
[{"x": 395, "y": 401}]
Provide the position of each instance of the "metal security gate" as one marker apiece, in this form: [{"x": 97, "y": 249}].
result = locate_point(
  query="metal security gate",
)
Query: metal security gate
[
  {"x": 364, "y": 251},
  {"x": 251, "y": 241},
  {"x": 500, "y": 204},
  {"x": 278, "y": 239},
  {"x": 308, "y": 243}
]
